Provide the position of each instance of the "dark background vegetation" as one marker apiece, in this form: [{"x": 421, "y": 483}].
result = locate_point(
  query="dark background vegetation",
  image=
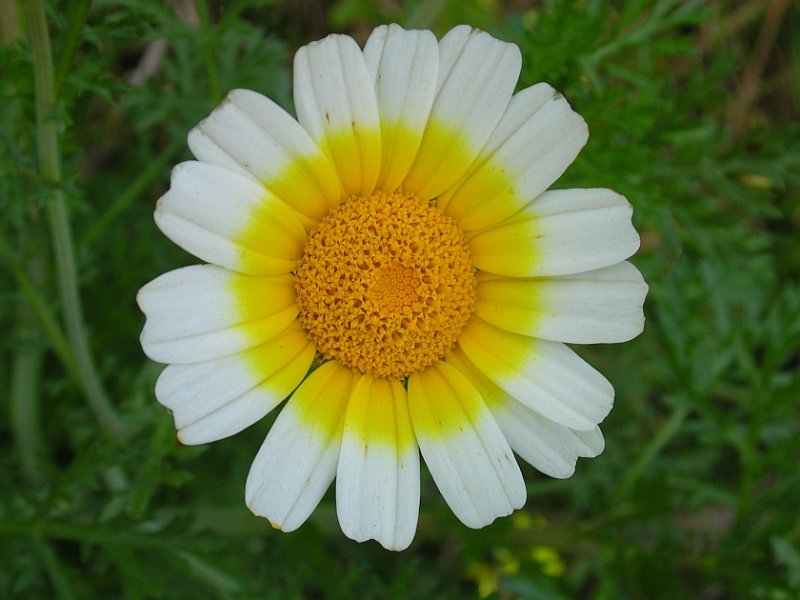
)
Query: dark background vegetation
[{"x": 693, "y": 111}]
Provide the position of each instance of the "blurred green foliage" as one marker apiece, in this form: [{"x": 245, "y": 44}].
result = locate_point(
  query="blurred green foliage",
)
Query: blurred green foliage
[{"x": 692, "y": 108}]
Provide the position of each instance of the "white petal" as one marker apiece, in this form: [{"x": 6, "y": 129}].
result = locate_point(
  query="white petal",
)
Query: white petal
[
  {"x": 404, "y": 65},
  {"x": 470, "y": 460},
  {"x": 230, "y": 220},
  {"x": 203, "y": 312},
  {"x": 592, "y": 443},
  {"x": 250, "y": 134},
  {"x": 602, "y": 306},
  {"x": 297, "y": 461},
  {"x": 377, "y": 480},
  {"x": 218, "y": 398},
  {"x": 335, "y": 102},
  {"x": 560, "y": 233},
  {"x": 545, "y": 376},
  {"x": 551, "y": 448},
  {"x": 477, "y": 75},
  {"x": 536, "y": 140}
]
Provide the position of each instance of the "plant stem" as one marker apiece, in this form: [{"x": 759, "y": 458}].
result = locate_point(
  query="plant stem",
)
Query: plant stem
[
  {"x": 9, "y": 23},
  {"x": 58, "y": 219},
  {"x": 652, "y": 450},
  {"x": 24, "y": 409},
  {"x": 72, "y": 41},
  {"x": 57, "y": 573},
  {"x": 208, "y": 50},
  {"x": 41, "y": 310},
  {"x": 86, "y": 534},
  {"x": 131, "y": 193}
]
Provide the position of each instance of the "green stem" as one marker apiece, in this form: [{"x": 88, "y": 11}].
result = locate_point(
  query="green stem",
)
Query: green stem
[
  {"x": 652, "y": 450},
  {"x": 89, "y": 534},
  {"x": 41, "y": 310},
  {"x": 57, "y": 574},
  {"x": 58, "y": 219},
  {"x": 126, "y": 198},
  {"x": 208, "y": 50},
  {"x": 24, "y": 408},
  {"x": 72, "y": 41},
  {"x": 9, "y": 23}
]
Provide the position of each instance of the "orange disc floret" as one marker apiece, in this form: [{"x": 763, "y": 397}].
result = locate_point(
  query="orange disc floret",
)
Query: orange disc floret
[{"x": 385, "y": 284}]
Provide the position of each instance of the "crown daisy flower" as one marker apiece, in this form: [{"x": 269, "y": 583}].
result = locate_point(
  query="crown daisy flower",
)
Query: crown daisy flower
[{"x": 392, "y": 263}]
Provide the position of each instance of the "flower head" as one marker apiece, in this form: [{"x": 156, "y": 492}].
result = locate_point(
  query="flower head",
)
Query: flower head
[{"x": 392, "y": 263}]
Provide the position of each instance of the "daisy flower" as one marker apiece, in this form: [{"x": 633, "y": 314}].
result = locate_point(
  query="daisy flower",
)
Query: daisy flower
[{"x": 392, "y": 263}]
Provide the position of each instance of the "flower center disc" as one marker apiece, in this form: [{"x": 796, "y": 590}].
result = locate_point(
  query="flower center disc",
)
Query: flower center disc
[{"x": 385, "y": 285}]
